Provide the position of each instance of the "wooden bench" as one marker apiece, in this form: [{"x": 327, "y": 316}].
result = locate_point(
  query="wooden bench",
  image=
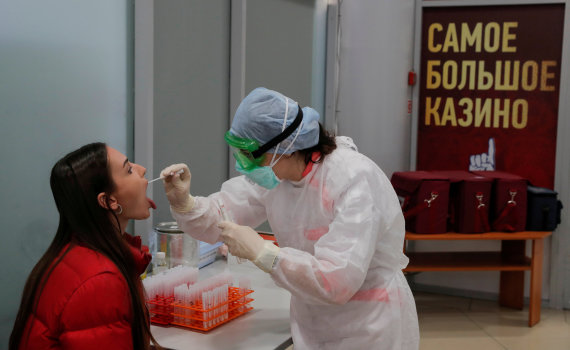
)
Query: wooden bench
[{"x": 511, "y": 261}]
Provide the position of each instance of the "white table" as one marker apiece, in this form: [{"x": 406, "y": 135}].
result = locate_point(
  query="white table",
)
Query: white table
[{"x": 264, "y": 327}]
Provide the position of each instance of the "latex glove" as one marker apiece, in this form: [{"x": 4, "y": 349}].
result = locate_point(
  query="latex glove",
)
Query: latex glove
[
  {"x": 223, "y": 250},
  {"x": 244, "y": 242},
  {"x": 177, "y": 187}
]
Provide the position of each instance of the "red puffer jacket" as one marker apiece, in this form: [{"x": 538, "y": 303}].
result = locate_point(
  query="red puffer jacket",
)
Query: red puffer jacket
[{"x": 85, "y": 303}]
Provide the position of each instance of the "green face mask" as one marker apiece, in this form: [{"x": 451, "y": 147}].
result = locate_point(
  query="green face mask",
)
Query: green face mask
[{"x": 262, "y": 175}]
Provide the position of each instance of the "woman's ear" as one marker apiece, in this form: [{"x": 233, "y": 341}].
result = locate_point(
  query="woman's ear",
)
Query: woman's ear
[{"x": 107, "y": 201}]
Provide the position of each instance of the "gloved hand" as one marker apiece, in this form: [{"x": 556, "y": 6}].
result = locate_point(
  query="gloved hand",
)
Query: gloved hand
[
  {"x": 244, "y": 242},
  {"x": 177, "y": 187},
  {"x": 223, "y": 250}
]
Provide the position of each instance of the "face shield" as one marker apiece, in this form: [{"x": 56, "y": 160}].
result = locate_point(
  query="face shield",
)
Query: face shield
[{"x": 242, "y": 149}]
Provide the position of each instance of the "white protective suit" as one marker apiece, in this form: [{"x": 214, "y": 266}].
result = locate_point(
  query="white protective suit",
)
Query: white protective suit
[{"x": 341, "y": 233}]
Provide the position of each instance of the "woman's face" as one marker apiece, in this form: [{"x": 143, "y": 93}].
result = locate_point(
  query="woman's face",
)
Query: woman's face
[{"x": 130, "y": 186}]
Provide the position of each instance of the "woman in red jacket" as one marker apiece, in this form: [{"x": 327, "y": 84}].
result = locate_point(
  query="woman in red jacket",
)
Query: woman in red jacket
[{"x": 85, "y": 292}]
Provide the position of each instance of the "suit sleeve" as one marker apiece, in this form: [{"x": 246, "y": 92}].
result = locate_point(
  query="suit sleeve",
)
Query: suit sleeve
[{"x": 242, "y": 200}]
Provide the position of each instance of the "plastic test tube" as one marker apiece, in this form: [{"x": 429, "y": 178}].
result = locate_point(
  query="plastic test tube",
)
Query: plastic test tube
[{"x": 228, "y": 218}]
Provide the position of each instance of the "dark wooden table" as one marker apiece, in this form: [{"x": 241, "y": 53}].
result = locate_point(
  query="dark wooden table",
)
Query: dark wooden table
[{"x": 511, "y": 261}]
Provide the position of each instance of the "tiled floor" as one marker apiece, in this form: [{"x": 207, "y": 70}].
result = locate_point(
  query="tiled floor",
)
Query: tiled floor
[
  {"x": 461, "y": 323},
  {"x": 455, "y": 323}
]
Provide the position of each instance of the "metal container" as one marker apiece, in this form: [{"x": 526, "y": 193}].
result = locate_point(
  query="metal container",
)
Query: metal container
[{"x": 179, "y": 248}]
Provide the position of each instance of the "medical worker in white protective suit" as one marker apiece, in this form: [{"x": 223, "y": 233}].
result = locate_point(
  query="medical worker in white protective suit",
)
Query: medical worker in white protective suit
[{"x": 334, "y": 214}]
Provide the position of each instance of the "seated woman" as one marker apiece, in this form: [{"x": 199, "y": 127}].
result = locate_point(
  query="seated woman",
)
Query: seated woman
[{"x": 85, "y": 292}]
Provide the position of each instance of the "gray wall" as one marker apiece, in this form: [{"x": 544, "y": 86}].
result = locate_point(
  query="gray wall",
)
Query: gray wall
[
  {"x": 375, "y": 55},
  {"x": 191, "y": 93},
  {"x": 65, "y": 81},
  {"x": 191, "y": 79},
  {"x": 279, "y": 47}
]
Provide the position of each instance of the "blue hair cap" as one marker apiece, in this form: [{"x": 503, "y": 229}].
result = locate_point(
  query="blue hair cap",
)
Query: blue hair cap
[{"x": 260, "y": 117}]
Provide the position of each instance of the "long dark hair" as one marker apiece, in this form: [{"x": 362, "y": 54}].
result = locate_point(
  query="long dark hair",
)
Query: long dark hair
[
  {"x": 325, "y": 146},
  {"x": 75, "y": 181}
]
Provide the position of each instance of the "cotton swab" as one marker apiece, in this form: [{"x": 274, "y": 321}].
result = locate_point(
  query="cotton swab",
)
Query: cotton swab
[{"x": 162, "y": 177}]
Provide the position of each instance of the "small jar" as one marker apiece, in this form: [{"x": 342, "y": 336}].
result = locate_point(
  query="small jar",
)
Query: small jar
[{"x": 179, "y": 248}]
